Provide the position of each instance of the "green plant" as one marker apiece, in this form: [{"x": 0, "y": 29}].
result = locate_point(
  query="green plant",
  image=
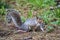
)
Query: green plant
[
  {"x": 23, "y": 18},
  {"x": 3, "y": 6},
  {"x": 42, "y": 3},
  {"x": 47, "y": 16},
  {"x": 57, "y": 22},
  {"x": 2, "y": 11},
  {"x": 50, "y": 29},
  {"x": 57, "y": 13},
  {"x": 29, "y": 14}
]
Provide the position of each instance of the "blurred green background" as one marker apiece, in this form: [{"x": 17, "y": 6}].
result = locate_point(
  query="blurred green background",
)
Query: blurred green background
[{"x": 29, "y": 8}]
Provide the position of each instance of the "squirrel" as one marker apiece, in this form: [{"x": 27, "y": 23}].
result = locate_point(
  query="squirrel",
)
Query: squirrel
[{"x": 13, "y": 16}]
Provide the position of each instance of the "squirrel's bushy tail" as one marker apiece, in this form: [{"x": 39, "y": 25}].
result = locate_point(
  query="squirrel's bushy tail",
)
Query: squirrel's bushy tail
[{"x": 14, "y": 16}]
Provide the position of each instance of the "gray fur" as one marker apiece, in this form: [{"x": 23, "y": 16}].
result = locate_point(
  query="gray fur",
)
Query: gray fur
[{"x": 23, "y": 26}]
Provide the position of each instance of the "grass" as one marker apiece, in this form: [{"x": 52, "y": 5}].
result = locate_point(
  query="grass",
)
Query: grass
[{"x": 42, "y": 6}]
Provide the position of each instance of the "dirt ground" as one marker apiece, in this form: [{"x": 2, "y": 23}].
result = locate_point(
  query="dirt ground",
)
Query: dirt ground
[{"x": 55, "y": 35}]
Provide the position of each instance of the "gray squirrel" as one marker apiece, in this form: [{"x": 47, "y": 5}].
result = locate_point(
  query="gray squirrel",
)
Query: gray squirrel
[{"x": 13, "y": 16}]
